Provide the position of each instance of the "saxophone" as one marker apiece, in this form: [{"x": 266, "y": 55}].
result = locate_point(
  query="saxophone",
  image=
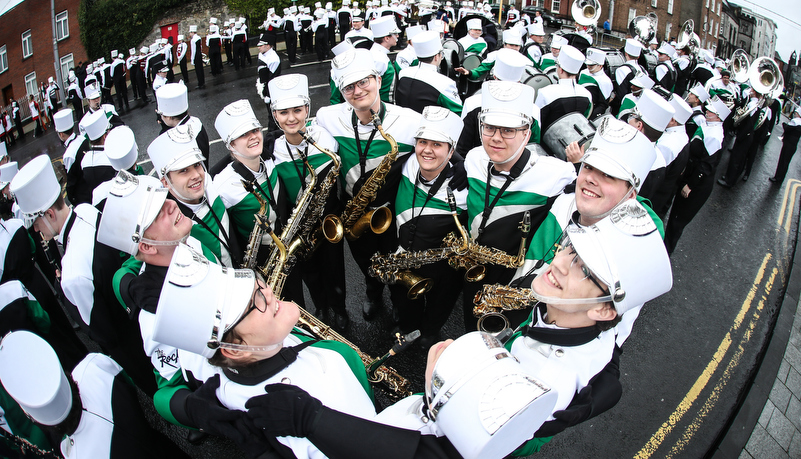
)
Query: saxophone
[
  {"x": 262, "y": 223},
  {"x": 496, "y": 298},
  {"x": 354, "y": 219}
]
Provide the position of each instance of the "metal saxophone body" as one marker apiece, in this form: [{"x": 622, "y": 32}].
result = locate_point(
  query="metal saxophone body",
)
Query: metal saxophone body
[
  {"x": 256, "y": 235},
  {"x": 492, "y": 300},
  {"x": 354, "y": 220}
]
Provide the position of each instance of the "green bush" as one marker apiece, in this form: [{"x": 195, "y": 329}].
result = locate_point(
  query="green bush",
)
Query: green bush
[{"x": 119, "y": 24}]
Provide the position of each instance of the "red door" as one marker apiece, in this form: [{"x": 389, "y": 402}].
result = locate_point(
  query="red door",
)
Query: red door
[{"x": 171, "y": 30}]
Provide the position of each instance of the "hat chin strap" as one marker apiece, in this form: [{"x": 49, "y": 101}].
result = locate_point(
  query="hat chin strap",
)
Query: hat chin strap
[
  {"x": 553, "y": 300},
  {"x": 606, "y": 214},
  {"x": 249, "y": 348},
  {"x": 49, "y": 226},
  {"x": 517, "y": 153},
  {"x": 153, "y": 242}
]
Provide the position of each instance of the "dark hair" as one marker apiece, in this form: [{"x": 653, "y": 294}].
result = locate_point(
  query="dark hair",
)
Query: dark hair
[
  {"x": 724, "y": 73},
  {"x": 652, "y": 134},
  {"x": 179, "y": 116},
  {"x": 605, "y": 325},
  {"x": 59, "y": 204},
  {"x": 219, "y": 360},
  {"x": 427, "y": 60}
]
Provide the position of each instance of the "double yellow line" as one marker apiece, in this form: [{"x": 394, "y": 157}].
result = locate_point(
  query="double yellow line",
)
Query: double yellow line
[{"x": 692, "y": 396}]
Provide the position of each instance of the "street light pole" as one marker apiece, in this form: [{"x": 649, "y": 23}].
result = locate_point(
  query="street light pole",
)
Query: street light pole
[{"x": 57, "y": 60}]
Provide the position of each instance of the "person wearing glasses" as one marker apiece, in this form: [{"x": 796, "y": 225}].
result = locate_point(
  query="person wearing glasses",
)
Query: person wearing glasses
[
  {"x": 235, "y": 336},
  {"x": 362, "y": 148},
  {"x": 422, "y": 85},
  {"x": 505, "y": 180}
]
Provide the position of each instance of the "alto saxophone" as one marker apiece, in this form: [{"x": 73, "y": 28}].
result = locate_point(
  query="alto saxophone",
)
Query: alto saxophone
[
  {"x": 497, "y": 298},
  {"x": 354, "y": 220},
  {"x": 256, "y": 235}
]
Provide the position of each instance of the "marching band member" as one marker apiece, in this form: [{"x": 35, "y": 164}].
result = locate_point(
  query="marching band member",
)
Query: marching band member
[
  {"x": 358, "y": 29},
  {"x": 651, "y": 117},
  {"x": 596, "y": 81},
  {"x": 567, "y": 96},
  {"x": 695, "y": 99},
  {"x": 172, "y": 107},
  {"x": 344, "y": 16},
  {"x": 122, "y": 152},
  {"x": 407, "y": 57},
  {"x": 641, "y": 82},
  {"x": 91, "y": 165},
  {"x": 534, "y": 44},
  {"x": 472, "y": 43},
  {"x": 511, "y": 40},
  {"x": 385, "y": 32},
  {"x": 672, "y": 147},
  {"x": 626, "y": 72},
  {"x": 792, "y": 132},
  {"x": 549, "y": 60},
  {"x": 666, "y": 74},
  {"x": 422, "y": 85}
]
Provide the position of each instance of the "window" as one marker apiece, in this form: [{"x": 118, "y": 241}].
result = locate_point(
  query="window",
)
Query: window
[
  {"x": 66, "y": 64},
  {"x": 62, "y": 25},
  {"x": 670, "y": 7},
  {"x": 555, "y": 6},
  {"x": 30, "y": 84},
  {"x": 27, "y": 44},
  {"x": 707, "y": 4},
  {"x": 653, "y": 3},
  {"x": 721, "y": 2},
  {"x": 713, "y": 6},
  {"x": 632, "y": 15},
  {"x": 3, "y": 59}
]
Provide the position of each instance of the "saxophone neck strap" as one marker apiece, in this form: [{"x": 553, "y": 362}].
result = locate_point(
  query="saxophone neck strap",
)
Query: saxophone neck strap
[
  {"x": 514, "y": 173},
  {"x": 247, "y": 174},
  {"x": 561, "y": 336},
  {"x": 363, "y": 153}
]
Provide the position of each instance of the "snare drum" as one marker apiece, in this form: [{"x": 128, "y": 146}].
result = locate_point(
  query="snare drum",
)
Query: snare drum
[
  {"x": 573, "y": 127},
  {"x": 472, "y": 61},
  {"x": 535, "y": 78}
]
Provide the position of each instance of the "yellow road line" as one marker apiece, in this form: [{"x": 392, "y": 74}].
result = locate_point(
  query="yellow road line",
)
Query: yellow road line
[
  {"x": 789, "y": 195},
  {"x": 659, "y": 436}
]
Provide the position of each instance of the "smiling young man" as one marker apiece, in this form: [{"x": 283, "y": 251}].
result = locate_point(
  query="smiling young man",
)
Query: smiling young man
[
  {"x": 472, "y": 42},
  {"x": 362, "y": 148}
]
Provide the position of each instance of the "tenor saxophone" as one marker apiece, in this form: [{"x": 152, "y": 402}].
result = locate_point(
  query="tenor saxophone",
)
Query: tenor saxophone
[
  {"x": 354, "y": 219},
  {"x": 497, "y": 298}
]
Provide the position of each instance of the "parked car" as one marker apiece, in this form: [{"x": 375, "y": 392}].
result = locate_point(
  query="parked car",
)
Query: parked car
[{"x": 548, "y": 19}]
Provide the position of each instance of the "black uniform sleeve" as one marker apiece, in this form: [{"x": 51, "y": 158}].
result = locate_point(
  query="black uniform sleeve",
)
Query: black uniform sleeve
[
  {"x": 265, "y": 75},
  {"x": 202, "y": 140},
  {"x": 470, "y": 134}
]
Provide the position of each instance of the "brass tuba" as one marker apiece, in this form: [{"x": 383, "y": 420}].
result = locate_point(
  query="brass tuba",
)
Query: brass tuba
[
  {"x": 688, "y": 38},
  {"x": 642, "y": 29},
  {"x": 764, "y": 74},
  {"x": 738, "y": 66},
  {"x": 586, "y": 12}
]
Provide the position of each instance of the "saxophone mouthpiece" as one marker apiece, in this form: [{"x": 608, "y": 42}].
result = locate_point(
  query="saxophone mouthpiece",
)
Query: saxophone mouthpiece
[
  {"x": 451, "y": 200},
  {"x": 404, "y": 341},
  {"x": 525, "y": 224}
]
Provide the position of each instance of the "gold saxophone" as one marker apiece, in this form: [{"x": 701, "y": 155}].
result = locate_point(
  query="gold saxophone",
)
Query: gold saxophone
[
  {"x": 262, "y": 223},
  {"x": 354, "y": 220},
  {"x": 497, "y": 298}
]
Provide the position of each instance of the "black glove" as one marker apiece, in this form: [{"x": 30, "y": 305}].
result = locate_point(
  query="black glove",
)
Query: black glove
[
  {"x": 459, "y": 177},
  {"x": 579, "y": 410},
  {"x": 205, "y": 411},
  {"x": 284, "y": 411}
]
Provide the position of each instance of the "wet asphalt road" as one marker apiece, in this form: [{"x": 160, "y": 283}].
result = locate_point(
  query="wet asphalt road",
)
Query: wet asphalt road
[{"x": 692, "y": 351}]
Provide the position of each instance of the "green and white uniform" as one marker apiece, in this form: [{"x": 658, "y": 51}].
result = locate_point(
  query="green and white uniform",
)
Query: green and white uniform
[{"x": 472, "y": 45}]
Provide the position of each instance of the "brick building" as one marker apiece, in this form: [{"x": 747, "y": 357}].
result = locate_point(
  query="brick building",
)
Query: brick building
[
  {"x": 557, "y": 7},
  {"x": 707, "y": 17},
  {"x": 623, "y": 11},
  {"x": 26, "y": 44}
]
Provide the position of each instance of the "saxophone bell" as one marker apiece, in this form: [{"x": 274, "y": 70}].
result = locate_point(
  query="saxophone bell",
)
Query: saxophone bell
[
  {"x": 377, "y": 220},
  {"x": 493, "y": 323},
  {"x": 475, "y": 273},
  {"x": 332, "y": 228},
  {"x": 417, "y": 285}
]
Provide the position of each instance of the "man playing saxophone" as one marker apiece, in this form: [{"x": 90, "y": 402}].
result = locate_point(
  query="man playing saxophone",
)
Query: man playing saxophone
[
  {"x": 362, "y": 148},
  {"x": 324, "y": 272}
]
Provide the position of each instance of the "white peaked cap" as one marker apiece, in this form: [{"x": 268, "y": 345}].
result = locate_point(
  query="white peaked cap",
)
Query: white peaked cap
[
  {"x": 557, "y": 41},
  {"x": 94, "y": 124},
  {"x": 286, "y": 12},
  {"x": 63, "y": 120},
  {"x": 287, "y": 91},
  {"x": 7, "y": 173},
  {"x": 172, "y": 99},
  {"x": 717, "y": 106},
  {"x": 345, "y": 2},
  {"x": 351, "y": 66},
  {"x": 132, "y": 205},
  {"x": 511, "y": 37},
  {"x": 620, "y": 150},
  {"x": 293, "y": 9},
  {"x": 3, "y": 150},
  {"x": 36, "y": 186},
  {"x": 120, "y": 148},
  {"x": 343, "y": 46},
  {"x": 654, "y": 110},
  {"x": 484, "y": 400},
  {"x": 506, "y": 104},
  {"x": 642, "y": 80},
  {"x": 270, "y": 10},
  {"x": 213, "y": 28},
  {"x": 193, "y": 28},
  {"x": 242, "y": 19},
  {"x": 682, "y": 110},
  {"x": 595, "y": 57},
  {"x": 32, "y": 375},
  {"x": 427, "y": 44},
  {"x": 318, "y": 5},
  {"x": 174, "y": 150},
  {"x": 474, "y": 24},
  {"x": 113, "y": 55},
  {"x": 237, "y": 24},
  {"x": 509, "y": 65},
  {"x": 92, "y": 91},
  {"x": 197, "y": 298},
  {"x": 143, "y": 50},
  {"x": 536, "y": 28},
  {"x": 214, "y": 20},
  {"x": 132, "y": 51},
  {"x": 625, "y": 252},
  {"x": 384, "y": 26},
  {"x": 708, "y": 57},
  {"x": 236, "y": 119},
  {"x": 570, "y": 59},
  {"x": 633, "y": 47},
  {"x": 439, "y": 124},
  {"x": 414, "y": 31},
  {"x": 700, "y": 92},
  {"x": 665, "y": 48}
]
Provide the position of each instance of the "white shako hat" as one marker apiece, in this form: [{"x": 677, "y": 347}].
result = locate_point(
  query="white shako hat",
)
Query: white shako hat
[
  {"x": 120, "y": 148},
  {"x": 633, "y": 47},
  {"x": 700, "y": 92},
  {"x": 154, "y": 47},
  {"x": 483, "y": 399},
  {"x": 113, "y": 55},
  {"x": 263, "y": 40},
  {"x": 94, "y": 124},
  {"x": 717, "y": 106},
  {"x": 199, "y": 302},
  {"x": 511, "y": 37},
  {"x": 319, "y": 14},
  {"x": 654, "y": 110},
  {"x": 620, "y": 150},
  {"x": 41, "y": 389},
  {"x": 132, "y": 205},
  {"x": 666, "y": 49},
  {"x": 132, "y": 51},
  {"x": 570, "y": 59},
  {"x": 345, "y": 2},
  {"x": 214, "y": 20},
  {"x": 505, "y": 103},
  {"x": 342, "y": 47},
  {"x": 7, "y": 173},
  {"x": 642, "y": 80},
  {"x": 328, "y": 6},
  {"x": 318, "y": 5},
  {"x": 193, "y": 28},
  {"x": 214, "y": 28},
  {"x": 427, "y": 44},
  {"x": 351, "y": 66},
  {"x": 682, "y": 111},
  {"x": 174, "y": 150},
  {"x": 438, "y": 26},
  {"x": 293, "y": 9},
  {"x": 474, "y": 24},
  {"x": 595, "y": 57},
  {"x": 3, "y": 150},
  {"x": 535, "y": 29},
  {"x": 172, "y": 99},
  {"x": 439, "y": 124},
  {"x": 63, "y": 120},
  {"x": 92, "y": 91},
  {"x": 36, "y": 187},
  {"x": 242, "y": 19},
  {"x": 509, "y": 65},
  {"x": 287, "y": 91},
  {"x": 143, "y": 50},
  {"x": 384, "y": 26},
  {"x": 414, "y": 31},
  {"x": 558, "y": 41},
  {"x": 626, "y": 253},
  {"x": 234, "y": 120}
]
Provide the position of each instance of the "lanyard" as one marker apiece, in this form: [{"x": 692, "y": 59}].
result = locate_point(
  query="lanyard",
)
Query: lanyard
[
  {"x": 245, "y": 172},
  {"x": 363, "y": 154},
  {"x": 224, "y": 240},
  {"x": 431, "y": 192},
  {"x": 303, "y": 157},
  {"x": 517, "y": 169}
]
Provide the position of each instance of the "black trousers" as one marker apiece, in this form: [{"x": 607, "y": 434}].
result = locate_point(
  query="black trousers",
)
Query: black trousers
[
  {"x": 184, "y": 71},
  {"x": 216, "y": 61},
  {"x": 132, "y": 75},
  {"x": 324, "y": 275},
  {"x": 737, "y": 158},
  {"x": 18, "y": 124},
  {"x": 200, "y": 73},
  {"x": 122, "y": 94},
  {"x": 364, "y": 248},
  {"x": 239, "y": 55},
  {"x": 321, "y": 43},
  {"x": 291, "y": 39},
  {"x": 789, "y": 147},
  {"x": 685, "y": 209}
]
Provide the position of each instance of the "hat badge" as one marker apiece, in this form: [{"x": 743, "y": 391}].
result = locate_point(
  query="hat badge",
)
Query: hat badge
[
  {"x": 124, "y": 184},
  {"x": 435, "y": 113},
  {"x": 238, "y": 108},
  {"x": 344, "y": 59},
  {"x": 617, "y": 132},
  {"x": 287, "y": 82},
  {"x": 505, "y": 92},
  {"x": 188, "y": 268},
  {"x": 631, "y": 218},
  {"x": 181, "y": 134}
]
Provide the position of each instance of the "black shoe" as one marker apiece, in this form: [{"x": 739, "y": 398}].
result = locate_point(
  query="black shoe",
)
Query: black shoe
[
  {"x": 722, "y": 182},
  {"x": 195, "y": 436},
  {"x": 321, "y": 313},
  {"x": 341, "y": 321},
  {"x": 370, "y": 308},
  {"x": 774, "y": 179}
]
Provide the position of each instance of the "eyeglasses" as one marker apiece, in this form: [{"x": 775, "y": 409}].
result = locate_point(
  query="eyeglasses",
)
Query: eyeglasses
[
  {"x": 362, "y": 84},
  {"x": 507, "y": 133},
  {"x": 584, "y": 269},
  {"x": 260, "y": 284}
]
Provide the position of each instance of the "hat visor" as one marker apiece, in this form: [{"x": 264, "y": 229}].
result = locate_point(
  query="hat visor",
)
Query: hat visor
[
  {"x": 289, "y": 102},
  {"x": 187, "y": 159},
  {"x": 239, "y": 291},
  {"x": 589, "y": 249},
  {"x": 243, "y": 129},
  {"x": 432, "y": 134},
  {"x": 601, "y": 160},
  {"x": 503, "y": 119},
  {"x": 353, "y": 77},
  {"x": 153, "y": 209}
]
